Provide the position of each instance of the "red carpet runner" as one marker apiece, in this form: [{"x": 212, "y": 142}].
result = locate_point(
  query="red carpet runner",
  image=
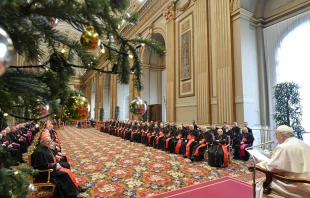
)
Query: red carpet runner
[{"x": 223, "y": 187}]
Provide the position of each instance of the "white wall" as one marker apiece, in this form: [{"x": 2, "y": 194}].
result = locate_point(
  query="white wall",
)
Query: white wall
[
  {"x": 123, "y": 101},
  {"x": 106, "y": 105},
  {"x": 152, "y": 80},
  {"x": 164, "y": 98},
  {"x": 92, "y": 105}
]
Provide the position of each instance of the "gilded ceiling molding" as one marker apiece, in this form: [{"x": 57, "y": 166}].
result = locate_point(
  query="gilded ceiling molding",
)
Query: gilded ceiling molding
[
  {"x": 234, "y": 5},
  {"x": 184, "y": 6},
  {"x": 169, "y": 12}
]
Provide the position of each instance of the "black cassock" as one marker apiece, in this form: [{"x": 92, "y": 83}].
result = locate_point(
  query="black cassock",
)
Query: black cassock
[
  {"x": 42, "y": 159},
  {"x": 216, "y": 152}
]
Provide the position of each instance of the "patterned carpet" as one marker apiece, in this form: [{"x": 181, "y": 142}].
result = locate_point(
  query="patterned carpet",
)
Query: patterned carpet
[{"x": 113, "y": 167}]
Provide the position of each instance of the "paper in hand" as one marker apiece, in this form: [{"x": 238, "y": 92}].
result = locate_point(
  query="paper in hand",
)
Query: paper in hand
[{"x": 258, "y": 155}]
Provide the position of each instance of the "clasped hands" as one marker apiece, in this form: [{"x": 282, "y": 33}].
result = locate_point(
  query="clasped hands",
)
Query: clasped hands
[{"x": 58, "y": 166}]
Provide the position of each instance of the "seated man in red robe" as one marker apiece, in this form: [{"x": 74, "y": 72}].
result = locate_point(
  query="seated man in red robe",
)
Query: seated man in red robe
[
  {"x": 218, "y": 153},
  {"x": 205, "y": 138},
  {"x": 43, "y": 158}
]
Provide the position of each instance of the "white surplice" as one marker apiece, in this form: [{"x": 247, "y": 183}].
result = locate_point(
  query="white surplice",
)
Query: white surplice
[{"x": 290, "y": 159}]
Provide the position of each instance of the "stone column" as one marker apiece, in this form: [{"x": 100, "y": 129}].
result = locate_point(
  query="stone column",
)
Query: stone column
[
  {"x": 169, "y": 14},
  {"x": 97, "y": 97},
  {"x": 262, "y": 77},
  {"x": 113, "y": 98},
  {"x": 201, "y": 42},
  {"x": 221, "y": 69}
]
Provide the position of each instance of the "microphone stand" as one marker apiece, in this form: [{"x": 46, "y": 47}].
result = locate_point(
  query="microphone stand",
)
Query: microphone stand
[
  {"x": 253, "y": 174},
  {"x": 254, "y": 167}
]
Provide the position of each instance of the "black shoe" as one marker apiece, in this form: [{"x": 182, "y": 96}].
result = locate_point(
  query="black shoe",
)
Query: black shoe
[
  {"x": 192, "y": 159},
  {"x": 184, "y": 156},
  {"x": 22, "y": 161},
  {"x": 82, "y": 189}
]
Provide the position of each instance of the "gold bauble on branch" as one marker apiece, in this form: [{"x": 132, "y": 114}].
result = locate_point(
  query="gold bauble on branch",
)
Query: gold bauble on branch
[
  {"x": 79, "y": 108},
  {"x": 90, "y": 39}
]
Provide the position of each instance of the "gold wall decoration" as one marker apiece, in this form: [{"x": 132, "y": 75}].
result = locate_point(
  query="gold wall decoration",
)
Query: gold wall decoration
[
  {"x": 186, "y": 56},
  {"x": 186, "y": 87},
  {"x": 185, "y": 45},
  {"x": 169, "y": 12},
  {"x": 185, "y": 26}
]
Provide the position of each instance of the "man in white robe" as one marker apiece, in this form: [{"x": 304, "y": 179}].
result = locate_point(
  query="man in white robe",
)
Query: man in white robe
[{"x": 291, "y": 159}]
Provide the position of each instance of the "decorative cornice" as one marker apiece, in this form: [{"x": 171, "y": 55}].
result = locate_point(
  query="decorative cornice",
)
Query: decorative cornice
[
  {"x": 169, "y": 12},
  {"x": 184, "y": 6},
  {"x": 159, "y": 68},
  {"x": 146, "y": 12},
  {"x": 234, "y": 5}
]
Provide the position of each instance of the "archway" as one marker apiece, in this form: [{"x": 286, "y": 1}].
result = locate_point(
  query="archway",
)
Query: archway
[
  {"x": 292, "y": 64},
  {"x": 154, "y": 72}
]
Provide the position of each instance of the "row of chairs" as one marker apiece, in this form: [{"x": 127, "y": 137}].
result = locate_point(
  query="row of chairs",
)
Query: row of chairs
[
  {"x": 99, "y": 124},
  {"x": 61, "y": 125},
  {"x": 83, "y": 124}
]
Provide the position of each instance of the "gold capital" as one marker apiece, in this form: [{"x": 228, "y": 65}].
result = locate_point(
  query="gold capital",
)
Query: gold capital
[{"x": 169, "y": 12}]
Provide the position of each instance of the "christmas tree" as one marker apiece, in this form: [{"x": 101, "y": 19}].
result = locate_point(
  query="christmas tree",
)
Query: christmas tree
[
  {"x": 14, "y": 181},
  {"x": 30, "y": 27}
]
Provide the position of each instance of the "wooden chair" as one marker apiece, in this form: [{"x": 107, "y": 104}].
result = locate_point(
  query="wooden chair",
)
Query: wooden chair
[
  {"x": 98, "y": 124},
  {"x": 270, "y": 175},
  {"x": 38, "y": 183},
  {"x": 82, "y": 124}
]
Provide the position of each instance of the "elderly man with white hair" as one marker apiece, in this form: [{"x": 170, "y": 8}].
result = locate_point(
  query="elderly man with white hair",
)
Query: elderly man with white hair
[{"x": 290, "y": 159}]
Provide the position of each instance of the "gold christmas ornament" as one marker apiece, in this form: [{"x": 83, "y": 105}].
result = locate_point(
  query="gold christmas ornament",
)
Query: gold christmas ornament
[{"x": 90, "y": 39}]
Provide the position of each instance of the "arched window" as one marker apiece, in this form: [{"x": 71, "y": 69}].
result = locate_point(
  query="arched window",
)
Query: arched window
[{"x": 293, "y": 64}]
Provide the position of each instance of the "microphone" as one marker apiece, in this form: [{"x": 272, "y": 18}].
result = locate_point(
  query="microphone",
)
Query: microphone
[{"x": 259, "y": 145}]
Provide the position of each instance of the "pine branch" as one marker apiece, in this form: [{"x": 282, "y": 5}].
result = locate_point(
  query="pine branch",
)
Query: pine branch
[
  {"x": 28, "y": 24},
  {"x": 153, "y": 45}
]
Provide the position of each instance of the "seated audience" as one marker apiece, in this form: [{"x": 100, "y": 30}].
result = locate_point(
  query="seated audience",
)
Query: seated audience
[
  {"x": 189, "y": 143},
  {"x": 13, "y": 148}
]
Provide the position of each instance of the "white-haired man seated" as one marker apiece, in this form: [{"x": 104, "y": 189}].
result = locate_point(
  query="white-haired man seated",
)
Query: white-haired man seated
[{"x": 290, "y": 159}]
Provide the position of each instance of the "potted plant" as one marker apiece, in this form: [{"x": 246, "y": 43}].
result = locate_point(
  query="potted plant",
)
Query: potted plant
[
  {"x": 116, "y": 116},
  {"x": 101, "y": 114},
  {"x": 288, "y": 110}
]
